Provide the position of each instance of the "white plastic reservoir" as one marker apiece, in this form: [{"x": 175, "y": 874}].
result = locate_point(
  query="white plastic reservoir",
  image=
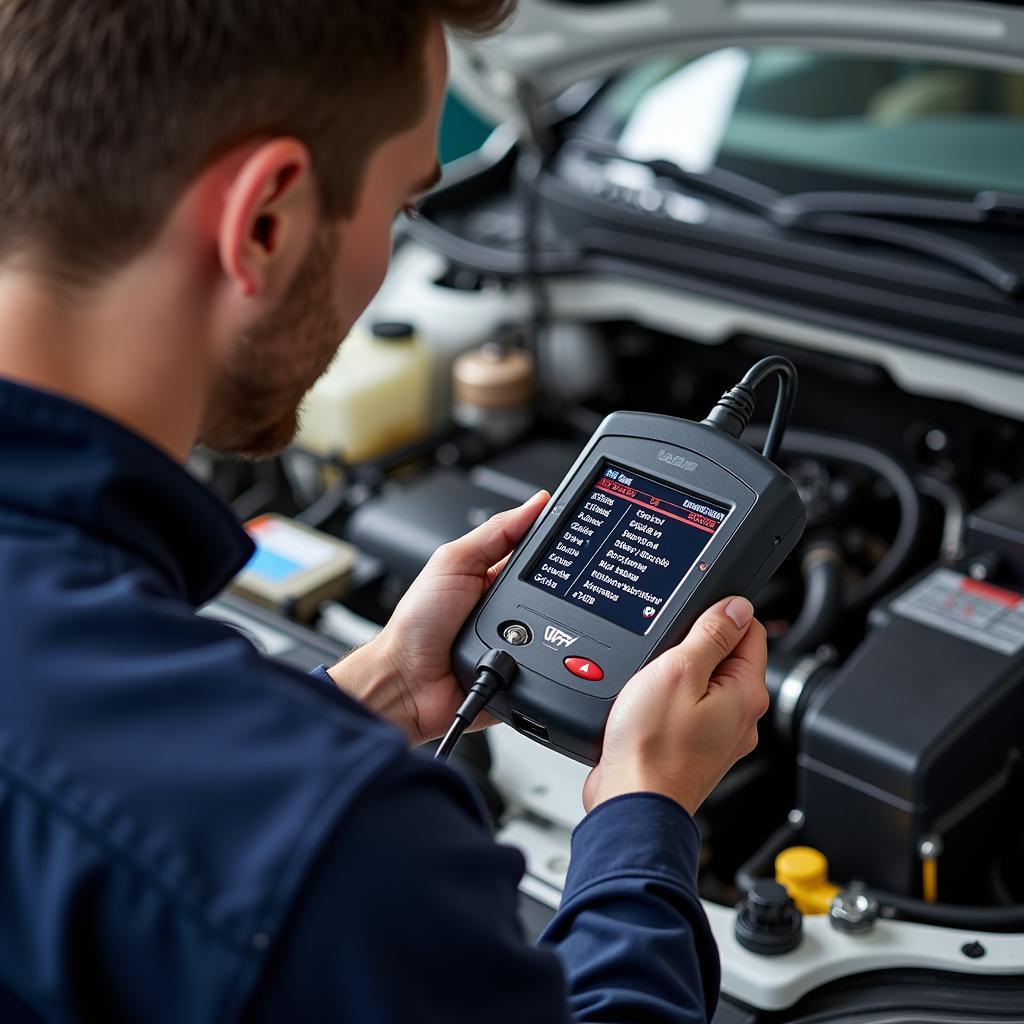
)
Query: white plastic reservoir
[{"x": 375, "y": 397}]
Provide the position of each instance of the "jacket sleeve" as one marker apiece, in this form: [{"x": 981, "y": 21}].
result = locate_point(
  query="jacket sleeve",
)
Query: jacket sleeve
[
  {"x": 411, "y": 915},
  {"x": 631, "y": 930}
]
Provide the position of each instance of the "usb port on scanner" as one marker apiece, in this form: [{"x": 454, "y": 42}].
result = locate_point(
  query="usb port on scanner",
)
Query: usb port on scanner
[{"x": 528, "y": 727}]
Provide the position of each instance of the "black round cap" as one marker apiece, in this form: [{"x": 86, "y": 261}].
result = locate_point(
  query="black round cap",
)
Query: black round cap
[{"x": 767, "y": 921}]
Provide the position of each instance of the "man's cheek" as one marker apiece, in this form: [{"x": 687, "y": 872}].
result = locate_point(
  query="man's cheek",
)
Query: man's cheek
[
  {"x": 362, "y": 274},
  {"x": 377, "y": 263}
]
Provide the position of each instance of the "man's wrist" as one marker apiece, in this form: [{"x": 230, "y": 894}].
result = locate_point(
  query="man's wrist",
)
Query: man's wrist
[
  {"x": 370, "y": 676},
  {"x": 620, "y": 782}
]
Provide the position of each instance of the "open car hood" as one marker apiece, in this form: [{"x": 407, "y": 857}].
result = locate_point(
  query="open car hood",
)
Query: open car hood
[{"x": 553, "y": 44}]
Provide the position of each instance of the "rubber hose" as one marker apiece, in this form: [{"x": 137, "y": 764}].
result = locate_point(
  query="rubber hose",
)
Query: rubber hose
[
  {"x": 792, "y": 678},
  {"x": 954, "y": 505},
  {"x": 840, "y": 449},
  {"x": 823, "y": 599},
  {"x": 950, "y": 915}
]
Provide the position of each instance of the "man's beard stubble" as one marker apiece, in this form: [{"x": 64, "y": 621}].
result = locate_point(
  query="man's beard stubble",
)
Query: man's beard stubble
[{"x": 254, "y": 406}]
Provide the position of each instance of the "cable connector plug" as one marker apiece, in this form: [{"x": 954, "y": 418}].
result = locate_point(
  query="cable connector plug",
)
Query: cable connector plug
[
  {"x": 495, "y": 671},
  {"x": 737, "y": 406},
  {"x": 734, "y": 411}
]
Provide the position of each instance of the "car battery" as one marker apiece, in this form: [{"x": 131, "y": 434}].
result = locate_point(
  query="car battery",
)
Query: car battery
[
  {"x": 910, "y": 750},
  {"x": 295, "y": 568}
]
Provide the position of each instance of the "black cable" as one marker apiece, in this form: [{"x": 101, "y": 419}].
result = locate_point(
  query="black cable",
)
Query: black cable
[
  {"x": 761, "y": 864},
  {"x": 495, "y": 671},
  {"x": 531, "y": 167},
  {"x": 536, "y": 153},
  {"x": 784, "y": 402},
  {"x": 737, "y": 406}
]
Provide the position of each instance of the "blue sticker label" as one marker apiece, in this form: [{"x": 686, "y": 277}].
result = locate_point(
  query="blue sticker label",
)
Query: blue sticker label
[{"x": 272, "y": 566}]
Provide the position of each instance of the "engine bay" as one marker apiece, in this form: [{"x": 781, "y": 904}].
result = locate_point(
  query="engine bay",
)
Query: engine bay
[
  {"x": 905, "y": 490},
  {"x": 560, "y": 276}
]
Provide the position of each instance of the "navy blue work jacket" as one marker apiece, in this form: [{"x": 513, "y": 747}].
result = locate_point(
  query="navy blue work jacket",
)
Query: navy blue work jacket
[{"x": 190, "y": 833}]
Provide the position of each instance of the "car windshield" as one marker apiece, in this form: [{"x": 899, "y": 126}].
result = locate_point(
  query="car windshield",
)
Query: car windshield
[{"x": 804, "y": 119}]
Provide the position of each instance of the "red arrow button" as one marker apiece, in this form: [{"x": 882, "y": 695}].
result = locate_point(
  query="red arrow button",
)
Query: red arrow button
[{"x": 585, "y": 669}]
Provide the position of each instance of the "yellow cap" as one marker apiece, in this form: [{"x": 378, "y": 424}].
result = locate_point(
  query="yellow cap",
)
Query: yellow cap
[{"x": 804, "y": 873}]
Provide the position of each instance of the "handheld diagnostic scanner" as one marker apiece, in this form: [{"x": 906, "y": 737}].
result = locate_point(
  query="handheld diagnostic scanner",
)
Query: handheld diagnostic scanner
[{"x": 658, "y": 520}]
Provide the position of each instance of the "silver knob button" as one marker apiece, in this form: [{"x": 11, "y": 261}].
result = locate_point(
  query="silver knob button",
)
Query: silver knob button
[{"x": 517, "y": 634}]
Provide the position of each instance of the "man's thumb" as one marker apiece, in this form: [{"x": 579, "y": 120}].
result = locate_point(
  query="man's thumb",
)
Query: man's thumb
[{"x": 716, "y": 633}]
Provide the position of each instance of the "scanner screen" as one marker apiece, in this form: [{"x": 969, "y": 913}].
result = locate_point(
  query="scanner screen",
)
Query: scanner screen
[{"x": 626, "y": 547}]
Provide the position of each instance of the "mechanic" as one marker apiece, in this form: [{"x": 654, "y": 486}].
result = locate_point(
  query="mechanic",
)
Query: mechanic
[{"x": 197, "y": 201}]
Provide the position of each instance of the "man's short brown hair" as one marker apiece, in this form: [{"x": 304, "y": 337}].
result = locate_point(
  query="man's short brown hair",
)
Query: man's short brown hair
[{"x": 108, "y": 108}]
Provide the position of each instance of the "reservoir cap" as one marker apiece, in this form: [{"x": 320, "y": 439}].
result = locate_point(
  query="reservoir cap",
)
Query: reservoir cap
[
  {"x": 392, "y": 330},
  {"x": 804, "y": 873}
]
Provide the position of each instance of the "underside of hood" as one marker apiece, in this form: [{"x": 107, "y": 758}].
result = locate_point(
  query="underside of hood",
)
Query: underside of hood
[{"x": 552, "y": 44}]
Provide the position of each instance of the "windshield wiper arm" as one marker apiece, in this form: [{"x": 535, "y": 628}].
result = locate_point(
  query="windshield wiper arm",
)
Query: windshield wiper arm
[
  {"x": 982, "y": 208},
  {"x": 798, "y": 212},
  {"x": 863, "y": 215},
  {"x": 737, "y": 188},
  {"x": 997, "y": 272}
]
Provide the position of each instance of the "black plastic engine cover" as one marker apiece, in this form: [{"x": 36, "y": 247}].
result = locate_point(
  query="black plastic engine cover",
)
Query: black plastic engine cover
[{"x": 917, "y": 736}]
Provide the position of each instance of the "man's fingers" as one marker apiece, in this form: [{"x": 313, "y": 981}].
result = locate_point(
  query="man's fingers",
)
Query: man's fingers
[
  {"x": 488, "y": 544},
  {"x": 716, "y": 634},
  {"x": 496, "y": 570},
  {"x": 714, "y": 638},
  {"x": 718, "y": 648},
  {"x": 746, "y": 668}
]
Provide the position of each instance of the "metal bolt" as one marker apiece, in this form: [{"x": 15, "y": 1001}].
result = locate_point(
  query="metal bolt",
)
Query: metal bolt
[
  {"x": 930, "y": 848},
  {"x": 796, "y": 818},
  {"x": 974, "y": 950},
  {"x": 853, "y": 912},
  {"x": 985, "y": 567}
]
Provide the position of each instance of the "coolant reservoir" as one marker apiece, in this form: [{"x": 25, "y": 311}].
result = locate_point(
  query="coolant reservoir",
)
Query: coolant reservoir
[{"x": 374, "y": 398}]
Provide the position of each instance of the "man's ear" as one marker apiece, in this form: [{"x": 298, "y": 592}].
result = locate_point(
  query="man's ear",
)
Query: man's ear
[{"x": 268, "y": 219}]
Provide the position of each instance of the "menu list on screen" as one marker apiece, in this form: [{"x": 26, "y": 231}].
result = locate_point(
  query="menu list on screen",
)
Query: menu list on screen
[{"x": 626, "y": 547}]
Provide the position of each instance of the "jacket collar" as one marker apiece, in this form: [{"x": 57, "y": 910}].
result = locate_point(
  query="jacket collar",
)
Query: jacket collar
[{"x": 61, "y": 461}]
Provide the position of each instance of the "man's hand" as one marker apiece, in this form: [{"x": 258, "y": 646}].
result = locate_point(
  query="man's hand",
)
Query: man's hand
[
  {"x": 684, "y": 720},
  {"x": 405, "y": 675}
]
